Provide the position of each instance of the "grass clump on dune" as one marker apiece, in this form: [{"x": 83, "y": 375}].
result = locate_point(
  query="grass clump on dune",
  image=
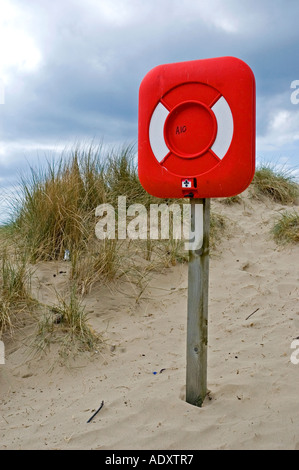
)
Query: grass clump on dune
[
  {"x": 286, "y": 229},
  {"x": 56, "y": 205},
  {"x": 229, "y": 201},
  {"x": 56, "y": 210},
  {"x": 15, "y": 294},
  {"x": 66, "y": 324},
  {"x": 121, "y": 178},
  {"x": 102, "y": 261},
  {"x": 276, "y": 184}
]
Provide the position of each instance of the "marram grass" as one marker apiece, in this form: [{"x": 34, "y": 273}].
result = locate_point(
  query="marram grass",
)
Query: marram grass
[
  {"x": 56, "y": 212},
  {"x": 15, "y": 296},
  {"x": 286, "y": 228},
  {"x": 57, "y": 203},
  {"x": 66, "y": 324},
  {"x": 275, "y": 183}
]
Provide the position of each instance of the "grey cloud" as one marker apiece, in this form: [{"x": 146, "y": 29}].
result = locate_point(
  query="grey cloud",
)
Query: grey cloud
[{"x": 92, "y": 63}]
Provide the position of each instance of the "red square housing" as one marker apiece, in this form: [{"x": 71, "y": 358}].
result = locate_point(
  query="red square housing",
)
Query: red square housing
[{"x": 196, "y": 129}]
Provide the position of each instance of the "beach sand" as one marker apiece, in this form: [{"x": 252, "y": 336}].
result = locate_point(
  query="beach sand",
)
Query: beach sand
[{"x": 140, "y": 371}]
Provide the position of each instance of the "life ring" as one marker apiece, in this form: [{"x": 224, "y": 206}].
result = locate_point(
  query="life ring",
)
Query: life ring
[{"x": 209, "y": 130}]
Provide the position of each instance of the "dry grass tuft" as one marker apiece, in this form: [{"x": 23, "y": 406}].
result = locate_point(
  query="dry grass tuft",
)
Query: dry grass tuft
[
  {"x": 67, "y": 325},
  {"x": 229, "y": 201},
  {"x": 286, "y": 229},
  {"x": 15, "y": 296},
  {"x": 276, "y": 184}
]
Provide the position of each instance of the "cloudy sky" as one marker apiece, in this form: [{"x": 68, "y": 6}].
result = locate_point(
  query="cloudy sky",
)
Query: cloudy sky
[{"x": 70, "y": 70}]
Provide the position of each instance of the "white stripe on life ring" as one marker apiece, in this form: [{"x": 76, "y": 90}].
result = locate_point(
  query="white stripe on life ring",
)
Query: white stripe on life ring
[
  {"x": 225, "y": 127},
  {"x": 156, "y": 132}
]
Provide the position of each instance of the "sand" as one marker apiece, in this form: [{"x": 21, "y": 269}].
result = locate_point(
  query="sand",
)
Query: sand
[{"x": 253, "y": 401}]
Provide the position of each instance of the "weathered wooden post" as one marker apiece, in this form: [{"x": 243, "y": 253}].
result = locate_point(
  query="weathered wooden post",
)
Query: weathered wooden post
[{"x": 197, "y": 317}]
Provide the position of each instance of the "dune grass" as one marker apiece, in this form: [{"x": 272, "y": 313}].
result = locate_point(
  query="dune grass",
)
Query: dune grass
[
  {"x": 276, "y": 183},
  {"x": 55, "y": 212},
  {"x": 286, "y": 228},
  {"x": 101, "y": 261},
  {"x": 57, "y": 203},
  {"x": 56, "y": 209},
  {"x": 121, "y": 178},
  {"x": 15, "y": 296},
  {"x": 56, "y": 206},
  {"x": 218, "y": 226},
  {"x": 229, "y": 201},
  {"x": 66, "y": 324}
]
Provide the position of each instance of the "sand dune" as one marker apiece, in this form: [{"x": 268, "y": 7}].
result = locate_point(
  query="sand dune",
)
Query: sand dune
[{"x": 253, "y": 401}]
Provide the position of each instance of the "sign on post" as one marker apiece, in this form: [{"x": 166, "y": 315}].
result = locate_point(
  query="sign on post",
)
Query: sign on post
[{"x": 196, "y": 139}]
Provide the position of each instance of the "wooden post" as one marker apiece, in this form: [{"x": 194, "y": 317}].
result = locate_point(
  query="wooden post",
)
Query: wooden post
[{"x": 197, "y": 319}]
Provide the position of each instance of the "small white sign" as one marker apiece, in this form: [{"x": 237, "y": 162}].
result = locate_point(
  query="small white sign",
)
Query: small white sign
[{"x": 187, "y": 183}]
